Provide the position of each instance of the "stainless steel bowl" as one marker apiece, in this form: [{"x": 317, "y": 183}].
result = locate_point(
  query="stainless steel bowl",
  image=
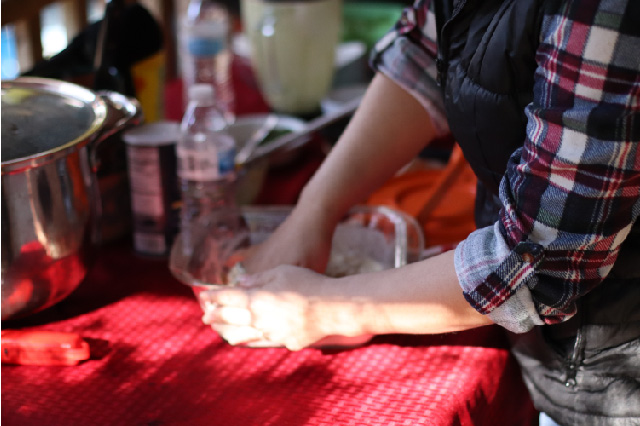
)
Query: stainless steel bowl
[{"x": 253, "y": 175}]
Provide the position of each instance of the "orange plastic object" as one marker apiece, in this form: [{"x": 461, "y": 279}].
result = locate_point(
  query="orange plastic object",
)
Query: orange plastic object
[
  {"x": 43, "y": 348},
  {"x": 442, "y": 201}
]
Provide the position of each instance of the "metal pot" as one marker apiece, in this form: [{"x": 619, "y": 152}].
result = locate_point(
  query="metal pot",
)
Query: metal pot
[{"x": 50, "y": 198}]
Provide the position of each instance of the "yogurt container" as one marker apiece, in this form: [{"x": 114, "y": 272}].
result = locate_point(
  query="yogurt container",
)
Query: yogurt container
[{"x": 155, "y": 194}]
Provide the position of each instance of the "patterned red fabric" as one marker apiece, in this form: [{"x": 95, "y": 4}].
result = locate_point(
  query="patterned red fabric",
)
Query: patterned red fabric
[{"x": 154, "y": 363}]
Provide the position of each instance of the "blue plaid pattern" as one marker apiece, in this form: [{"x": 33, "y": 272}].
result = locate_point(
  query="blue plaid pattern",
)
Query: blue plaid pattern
[{"x": 572, "y": 192}]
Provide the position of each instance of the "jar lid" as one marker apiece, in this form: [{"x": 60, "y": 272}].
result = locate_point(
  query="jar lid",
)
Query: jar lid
[
  {"x": 41, "y": 116},
  {"x": 201, "y": 92},
  {"x": 153, "y": 134}
]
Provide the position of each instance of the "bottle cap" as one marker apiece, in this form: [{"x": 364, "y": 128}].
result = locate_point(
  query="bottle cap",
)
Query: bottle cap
[{"x": 201, "y": 92}]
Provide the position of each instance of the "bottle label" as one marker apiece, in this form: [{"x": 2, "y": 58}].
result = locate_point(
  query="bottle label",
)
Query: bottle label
[
  {"x": 204, "y": 46},
  {"x": 193, "y": 165},
  {"x": 146, "y": 243},
  {"x": 145, "y": 181},
  {"x": 226, "y": 162}
]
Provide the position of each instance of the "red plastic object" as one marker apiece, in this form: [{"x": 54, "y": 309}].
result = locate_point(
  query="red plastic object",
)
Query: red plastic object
[{"x": 43, "y": 348}]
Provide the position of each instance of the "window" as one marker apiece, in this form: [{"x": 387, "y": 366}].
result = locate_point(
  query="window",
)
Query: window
[
  {"x": 54, "y": 30},
  {"x": 9, "y": 65}
]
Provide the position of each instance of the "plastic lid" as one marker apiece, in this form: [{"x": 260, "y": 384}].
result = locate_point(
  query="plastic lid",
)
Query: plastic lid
[
  {"x": 153, "y": 134},
  {"x": 201, "y": 92}
]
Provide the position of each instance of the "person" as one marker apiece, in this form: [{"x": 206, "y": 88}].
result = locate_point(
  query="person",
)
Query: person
[{"x": 543, "y": 97}]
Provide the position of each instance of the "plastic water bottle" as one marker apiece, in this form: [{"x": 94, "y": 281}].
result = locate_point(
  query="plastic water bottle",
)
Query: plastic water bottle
[
  {"x": 206, "y": 52},
  {"x": 212, "y": 227}
]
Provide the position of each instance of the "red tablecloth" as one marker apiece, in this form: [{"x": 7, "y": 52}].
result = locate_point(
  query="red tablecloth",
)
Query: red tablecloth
[{"x": 154, "y": 363}]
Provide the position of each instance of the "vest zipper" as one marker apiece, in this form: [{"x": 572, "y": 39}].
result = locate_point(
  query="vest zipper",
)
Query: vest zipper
[
  {"x": 444, "y": 15},
  {"x": 440, "y": 67},
  {"x": 573, "y": 362}
]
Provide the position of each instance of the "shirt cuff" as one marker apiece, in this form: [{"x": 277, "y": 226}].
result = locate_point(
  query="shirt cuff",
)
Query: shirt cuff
[{"x": 496, "y": 279}]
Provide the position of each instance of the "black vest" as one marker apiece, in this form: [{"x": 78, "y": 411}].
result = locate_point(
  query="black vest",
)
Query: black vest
[
  {"x": 486, "y": 64},
  {"x": 487, "y": 54}
]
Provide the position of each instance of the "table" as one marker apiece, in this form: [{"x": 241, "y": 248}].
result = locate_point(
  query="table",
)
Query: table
[{"x": 154, "y": 363}]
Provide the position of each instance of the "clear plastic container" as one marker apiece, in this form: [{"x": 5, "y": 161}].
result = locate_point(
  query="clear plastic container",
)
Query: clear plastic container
[
  {"x": 388, "y": 238},
  {"x": 384, "y": 235}
]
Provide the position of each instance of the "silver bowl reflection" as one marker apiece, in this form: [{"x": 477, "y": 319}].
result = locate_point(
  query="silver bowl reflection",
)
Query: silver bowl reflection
[{"x": 253, "y": 175}]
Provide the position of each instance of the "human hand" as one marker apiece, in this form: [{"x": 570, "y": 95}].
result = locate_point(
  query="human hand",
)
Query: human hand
[
  {"x": 288, "y": 306},
  {"x": 303, "y": 239}
]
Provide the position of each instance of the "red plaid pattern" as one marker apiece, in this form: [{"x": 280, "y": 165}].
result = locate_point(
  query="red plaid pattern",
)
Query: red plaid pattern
[{"x": 571, "y": 194}]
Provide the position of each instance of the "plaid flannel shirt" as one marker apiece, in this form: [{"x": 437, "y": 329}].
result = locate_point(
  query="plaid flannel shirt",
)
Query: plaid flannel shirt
[{"x": 571, "y": 194}]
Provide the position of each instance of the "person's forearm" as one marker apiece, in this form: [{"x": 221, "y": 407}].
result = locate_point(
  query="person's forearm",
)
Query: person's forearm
[
  {"x": 421, "y": 298},
  {"x": 389, "y": 129},
  {"x": 296, "y": 307}
]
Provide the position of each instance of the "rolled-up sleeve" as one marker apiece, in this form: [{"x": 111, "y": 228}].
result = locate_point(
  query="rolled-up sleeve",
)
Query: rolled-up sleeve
[{"x": 406, "y": 55}]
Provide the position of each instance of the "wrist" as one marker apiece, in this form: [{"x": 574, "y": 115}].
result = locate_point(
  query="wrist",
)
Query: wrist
[
  {"x": 338, "y": 318},
  {"x": 317, "y": 212},
  {"x": 337, "y": 312}
]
